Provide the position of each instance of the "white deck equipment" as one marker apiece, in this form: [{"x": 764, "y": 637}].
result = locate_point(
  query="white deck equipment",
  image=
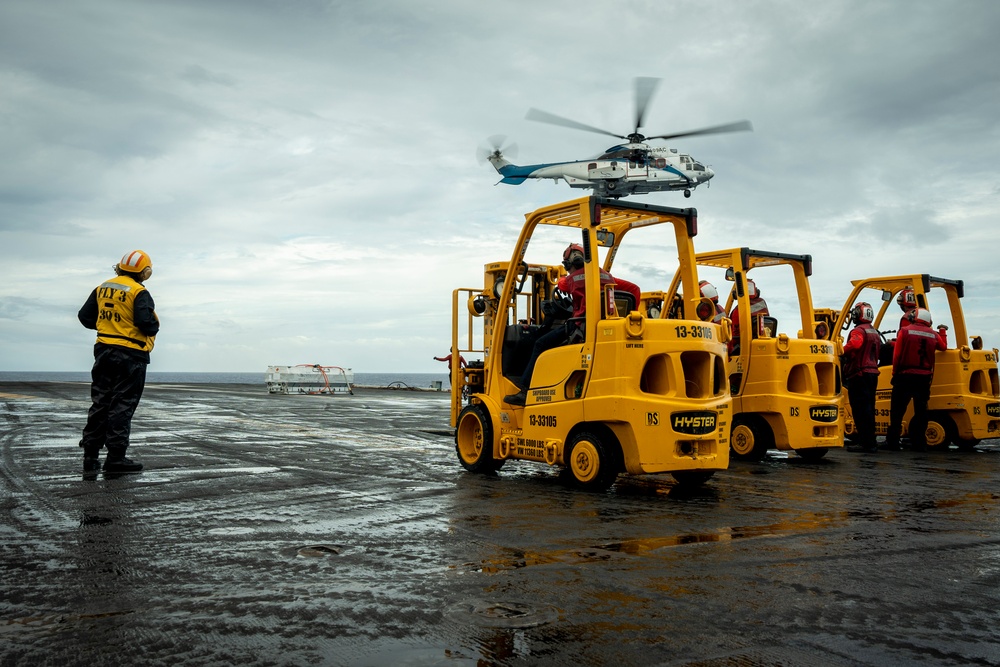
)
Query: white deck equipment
[{"x": 309, "y": 379}]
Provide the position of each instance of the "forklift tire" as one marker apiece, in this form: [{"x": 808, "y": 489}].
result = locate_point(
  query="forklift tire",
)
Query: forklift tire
[
  {"x": 590, "y": 461},
  {"x": 963, "y": 444},
  {"x": 750, "y": 439},
  {"x": 474, "y": 440},
  {"x": 937, "y": 431}
]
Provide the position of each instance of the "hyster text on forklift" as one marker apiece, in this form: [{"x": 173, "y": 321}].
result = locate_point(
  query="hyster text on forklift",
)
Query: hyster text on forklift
[
  {"x": 625, "y": 392},
  {"x": 786, "y": 391},
  {"x": 964, "y": 405}
]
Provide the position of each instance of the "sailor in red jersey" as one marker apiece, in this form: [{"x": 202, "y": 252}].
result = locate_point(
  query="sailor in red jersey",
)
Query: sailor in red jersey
[
  {"x": 860, "y": 364},
  {"x": 907, "y": 301},
  {"x": 912, "y": 373},
  {"x": 708, "y": 291},
  {"x": 758, "y": 311},
  {"x": 461, "y": 361},
  {"x": 573, "y": 284}
]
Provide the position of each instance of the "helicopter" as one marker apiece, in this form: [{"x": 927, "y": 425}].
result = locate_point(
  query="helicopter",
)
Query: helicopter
[{"x": 625, "y": 169}]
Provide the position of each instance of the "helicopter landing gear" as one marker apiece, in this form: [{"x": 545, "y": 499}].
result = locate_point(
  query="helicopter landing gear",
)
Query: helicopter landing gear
[{"x": 687, "y": 194}]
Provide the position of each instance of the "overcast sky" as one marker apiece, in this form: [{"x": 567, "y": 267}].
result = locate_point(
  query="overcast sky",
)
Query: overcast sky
[{"x": 304, "y": 173}]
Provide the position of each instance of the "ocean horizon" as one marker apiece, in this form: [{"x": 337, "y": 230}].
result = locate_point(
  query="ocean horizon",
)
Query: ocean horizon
[{"x": 403, "y": 380}]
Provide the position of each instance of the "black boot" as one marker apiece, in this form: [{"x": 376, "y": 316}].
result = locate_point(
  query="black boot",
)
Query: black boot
[
  {"x": 516, "y": 399},
  {"x": 121, "y": 464},
  {"x": 91, "y": 458}
]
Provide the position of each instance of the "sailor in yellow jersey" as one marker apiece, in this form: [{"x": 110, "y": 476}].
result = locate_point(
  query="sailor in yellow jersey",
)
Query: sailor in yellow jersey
[{"x": 122, "y": 311}]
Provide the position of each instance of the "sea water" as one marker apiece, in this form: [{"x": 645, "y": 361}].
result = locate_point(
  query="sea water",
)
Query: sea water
[{"x": 400, "y": 380}]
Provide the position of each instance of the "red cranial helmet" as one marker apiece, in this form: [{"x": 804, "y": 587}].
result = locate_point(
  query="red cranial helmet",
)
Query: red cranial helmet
[
  {"x": 920, "y": 316},
  {"x": 708, "y": 291},
  {"x": 862, "y": 313},
  {"x": 568, "y": 253},
  {"x": 906, "y": 299}
]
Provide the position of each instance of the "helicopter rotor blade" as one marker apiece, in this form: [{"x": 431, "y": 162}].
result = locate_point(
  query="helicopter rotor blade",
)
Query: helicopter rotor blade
[
  {"x": 645, "y": 86},
  {"x": 552, "y": 119},
  {"x": 740, "y": 126}
]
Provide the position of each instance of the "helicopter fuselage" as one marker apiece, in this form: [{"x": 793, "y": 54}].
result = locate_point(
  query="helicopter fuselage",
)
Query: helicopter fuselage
[{"x": 626, "y": 169}]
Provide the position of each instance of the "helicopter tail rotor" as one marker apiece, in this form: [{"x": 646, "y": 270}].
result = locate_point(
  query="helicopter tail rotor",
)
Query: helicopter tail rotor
[{"x": 496, "y": 149}]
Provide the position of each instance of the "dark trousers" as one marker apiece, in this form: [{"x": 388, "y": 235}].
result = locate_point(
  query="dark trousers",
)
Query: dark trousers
[
  {"x": 557, "y": 336},
  {"x": 861, "y": 391},
  {"x": 118, "y": 379},
  {"x": 905, "y": 388}
]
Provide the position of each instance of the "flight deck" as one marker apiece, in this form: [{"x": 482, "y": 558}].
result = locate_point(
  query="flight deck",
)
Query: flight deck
[{"x": 273, "y": 529}]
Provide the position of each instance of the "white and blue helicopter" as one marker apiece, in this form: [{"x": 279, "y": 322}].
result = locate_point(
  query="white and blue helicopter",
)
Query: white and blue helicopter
[{"x": 631, "y": 168}]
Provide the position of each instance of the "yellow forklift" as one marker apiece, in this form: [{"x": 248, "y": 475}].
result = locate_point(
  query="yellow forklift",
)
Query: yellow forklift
[
  {"x": 624, "y": 393},
  {"x": 786, "y": 391},
  {"x": 964, "y": 405}
]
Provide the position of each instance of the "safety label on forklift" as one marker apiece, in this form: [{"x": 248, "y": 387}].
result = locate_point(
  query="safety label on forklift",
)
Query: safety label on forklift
[
  {"x": 530, "y": 448},
  {"x": 543, "y": 395}
]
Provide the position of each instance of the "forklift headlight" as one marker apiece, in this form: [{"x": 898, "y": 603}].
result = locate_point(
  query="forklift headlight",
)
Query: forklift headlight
[
  {"x": 477, "y": 305},
  {"x": 822, "y": 331}
]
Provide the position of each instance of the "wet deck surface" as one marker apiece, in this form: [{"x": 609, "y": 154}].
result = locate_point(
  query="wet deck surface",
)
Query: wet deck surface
[{"x": 341, "y": 530}]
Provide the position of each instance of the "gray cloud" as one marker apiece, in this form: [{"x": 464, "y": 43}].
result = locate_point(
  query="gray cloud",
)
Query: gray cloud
[{"x": 304, "y": 177}]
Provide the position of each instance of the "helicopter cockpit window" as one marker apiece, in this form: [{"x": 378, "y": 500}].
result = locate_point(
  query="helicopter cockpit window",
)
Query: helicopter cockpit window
[
  {"x": 699, "y": 167},
  {"x": 685, "y": 159},
  {"x": 616, "y": 152}
]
